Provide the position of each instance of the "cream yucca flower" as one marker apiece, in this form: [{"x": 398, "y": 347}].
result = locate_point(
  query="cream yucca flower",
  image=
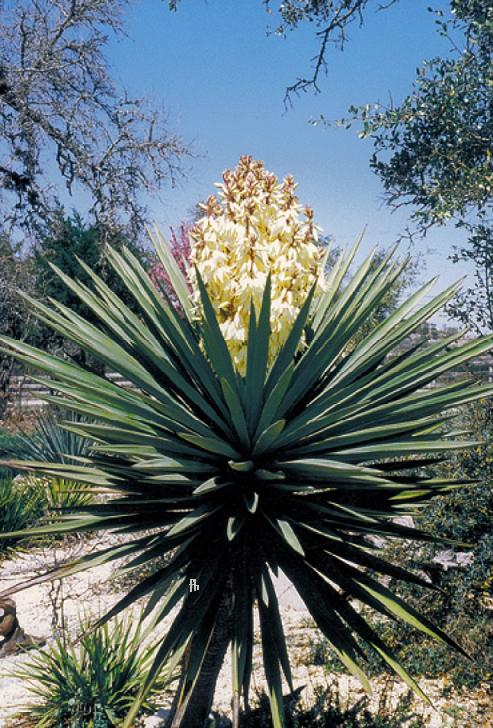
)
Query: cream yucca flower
[{"x": 255, "y": 226}]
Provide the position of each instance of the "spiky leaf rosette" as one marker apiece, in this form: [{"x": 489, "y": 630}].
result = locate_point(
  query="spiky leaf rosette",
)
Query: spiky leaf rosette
[{"x": 291, "y": 466}]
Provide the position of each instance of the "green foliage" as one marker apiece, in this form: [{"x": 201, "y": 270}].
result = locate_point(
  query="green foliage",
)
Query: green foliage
[
  {"x": 51, "y": 442},
  {"x": 25, "y": 502},
  {"x": 91, "y": 685},
  {"x": 475, "y": 306},
  {"x": 291, "y": 467},
  {"x": 11, "y": 446},
  {"x": 433, "y": 151},
  {"x": 463, "y": 604},
  {"x": 21, "y": 505},
  {"x": 15, "y": 316},
  {"x": 330, "y": 710},
  {"x": 69, "y": 240},
  {"x": 70, "y": 244}
]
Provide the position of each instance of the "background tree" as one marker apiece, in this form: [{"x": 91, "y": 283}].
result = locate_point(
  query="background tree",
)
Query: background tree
[
  {"x": 466, "y": 579},
  {"x": 65, "y": 243},
  {"x": 61, "y": 111},
  {"x": 434, "y": 151},
  {"x": 15, "y": 317}
]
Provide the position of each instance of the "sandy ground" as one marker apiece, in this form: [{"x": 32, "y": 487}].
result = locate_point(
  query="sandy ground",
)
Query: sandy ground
[{"x": 88, "y": 595}]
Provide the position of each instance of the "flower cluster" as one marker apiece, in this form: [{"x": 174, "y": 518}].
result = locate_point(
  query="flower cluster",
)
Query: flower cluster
[{"x": 255, "y": 226}]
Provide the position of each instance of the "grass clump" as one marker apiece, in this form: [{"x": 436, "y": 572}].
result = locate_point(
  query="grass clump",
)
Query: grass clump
[{"x": 93, "y": 684}]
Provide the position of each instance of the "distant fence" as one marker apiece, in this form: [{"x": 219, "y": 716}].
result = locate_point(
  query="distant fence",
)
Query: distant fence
[{"x": 23, "y": 393}]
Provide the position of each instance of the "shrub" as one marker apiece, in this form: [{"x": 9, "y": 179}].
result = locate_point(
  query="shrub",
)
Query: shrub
[
  {"x": 21, "y": 505},
  {"x": 465, "y": 515},
  {"x": 91, "y": 685},
  {"x": 331, "y": 710},
  {"x": 462, "y": 603},
  {"x": 51, "y": 442},
  {"x": 11, "y": 446}
]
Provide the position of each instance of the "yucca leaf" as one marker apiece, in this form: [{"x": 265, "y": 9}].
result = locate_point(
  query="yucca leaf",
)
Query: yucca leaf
[
  {"x": 242, "y": 466},
  {"x": 319, "y": 602},
  {"x": 237, "y": 415},
  {"x": 214, "y": 340},
  {"x": 393, "y": 604},
  {"x": 165, "y": 321},
  {"x": 274, "y": 400},
  {"x": 211, "y": 486},
  {"x": 180, "y": 633},
  {"x": 377, "y": 596},
  {"x": 83, "y": 563},
  {"x": 257, "y": 356},
  {"x": 193, "y": 519},
  {"x": 156, "y": 355},
  {"x": 361, "y": 627},
  {"x": 211, "y": 444},
  {"x": 251, "y": 499},
  {"x": 272, "y": 671},
  {"x": 268, "y": 437},
  {"x": 272, "y": 621},
  {"x": 162, "y": 579},
  {"x": 334, "y": 281},
  {"x": 242, "y": 636},
  {"x": 286, "y": 531},
  {"x": 234, "y": 525},
  {"x": 285, "y": 357},
  {"x": 172, "y": 269}
]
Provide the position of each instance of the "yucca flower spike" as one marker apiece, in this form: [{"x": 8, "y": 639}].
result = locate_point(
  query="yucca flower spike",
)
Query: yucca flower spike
[{"x": 255, "y": 229}]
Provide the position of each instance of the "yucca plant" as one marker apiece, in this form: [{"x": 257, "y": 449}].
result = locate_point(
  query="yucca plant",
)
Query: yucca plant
[
  {"x": 51, "y": 442},
  {"x": 91, "y": 685},
  {"x": 246, "y": 456}
]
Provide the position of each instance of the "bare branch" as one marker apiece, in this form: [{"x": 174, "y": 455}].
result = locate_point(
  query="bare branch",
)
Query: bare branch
[
  {"x": 332, "y": 18},
  {"x": 58, "y": 103}
]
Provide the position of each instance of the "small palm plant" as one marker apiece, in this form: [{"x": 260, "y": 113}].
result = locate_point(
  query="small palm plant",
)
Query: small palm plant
[
  {"x": 92, "y": 685},
  {"x": 261, "y": 435},
  {"x": 51, "y": 442}
]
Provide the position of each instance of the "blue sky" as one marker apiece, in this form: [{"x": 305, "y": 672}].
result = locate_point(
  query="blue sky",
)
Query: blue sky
[{"x": 221, "y": 78}]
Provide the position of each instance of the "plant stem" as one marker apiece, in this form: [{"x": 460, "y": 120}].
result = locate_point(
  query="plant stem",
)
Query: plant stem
[{"x": 192, "y": 709}]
